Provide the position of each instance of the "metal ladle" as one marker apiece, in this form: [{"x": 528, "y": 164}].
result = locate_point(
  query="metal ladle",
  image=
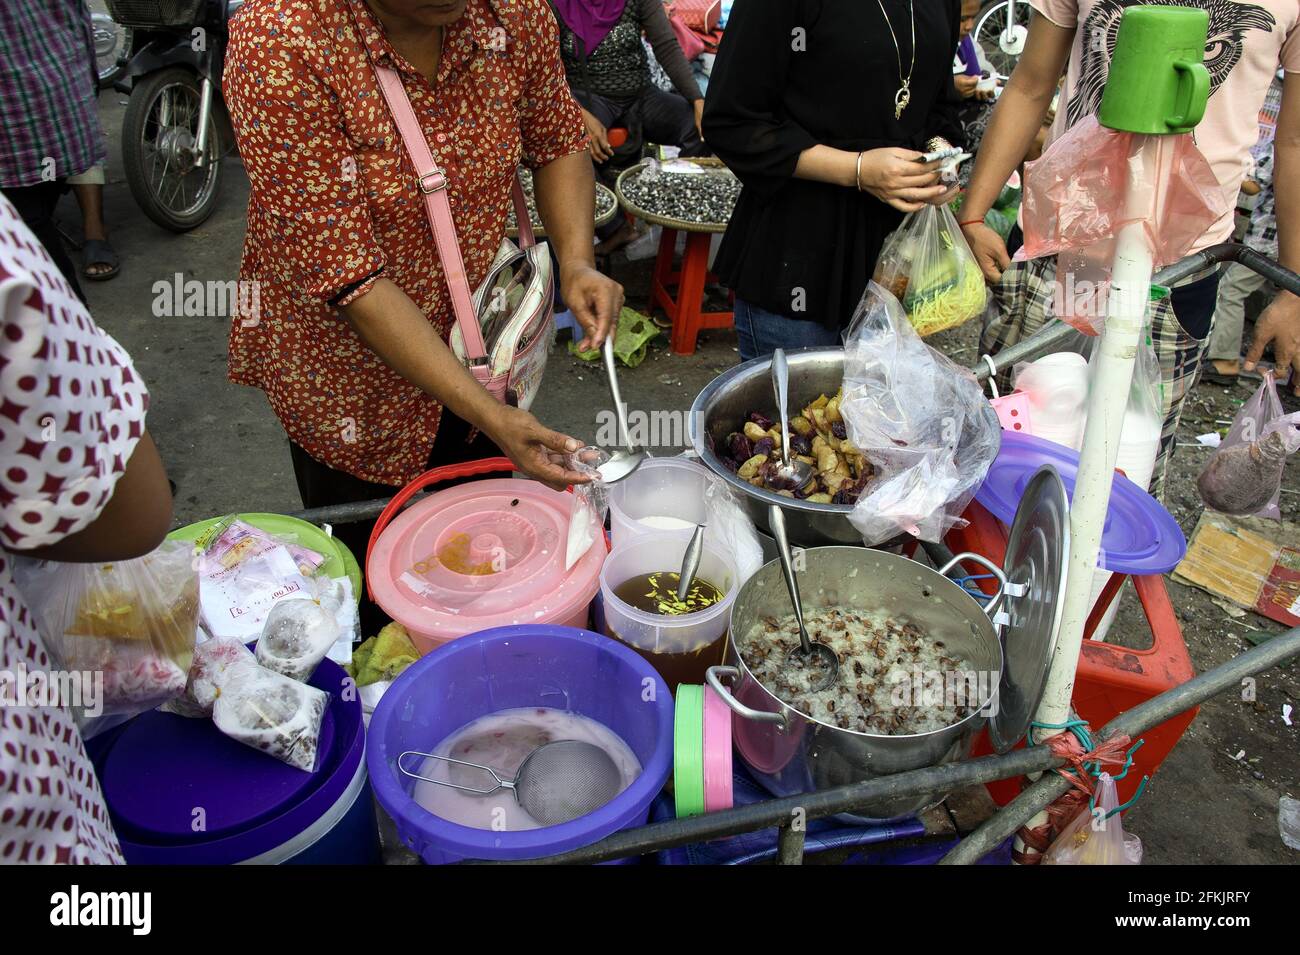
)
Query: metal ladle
[
  {"x": 627, "y": 459},
  {"x": 808, "y": 655},
  {"x": 557, "y": 782},
  {"x": 796, "y": 473}
]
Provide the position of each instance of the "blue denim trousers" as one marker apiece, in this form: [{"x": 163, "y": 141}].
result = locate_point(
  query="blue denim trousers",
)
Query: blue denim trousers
[{"x": 760, "y": 332}]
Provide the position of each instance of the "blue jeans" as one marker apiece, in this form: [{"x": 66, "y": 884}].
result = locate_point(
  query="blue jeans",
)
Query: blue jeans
[{"x": 760, "y": 332}]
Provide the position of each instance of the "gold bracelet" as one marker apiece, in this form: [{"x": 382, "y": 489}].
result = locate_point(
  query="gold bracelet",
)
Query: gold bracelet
[{"x": 857, "y": 173}]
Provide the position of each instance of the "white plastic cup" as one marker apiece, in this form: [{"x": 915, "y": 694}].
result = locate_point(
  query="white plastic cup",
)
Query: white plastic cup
[{"x": 661, "y": 488}]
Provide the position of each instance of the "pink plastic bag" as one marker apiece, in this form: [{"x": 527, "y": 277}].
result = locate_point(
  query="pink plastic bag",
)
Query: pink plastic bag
[
  {"x": 1077, "y": 201},
  {"x": 1245, "y": 474},
  {"x": 1096, "y": 837}
]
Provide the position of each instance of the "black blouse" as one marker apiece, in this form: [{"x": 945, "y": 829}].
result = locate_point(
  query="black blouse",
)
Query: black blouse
[{"x": 791, "y": 74}]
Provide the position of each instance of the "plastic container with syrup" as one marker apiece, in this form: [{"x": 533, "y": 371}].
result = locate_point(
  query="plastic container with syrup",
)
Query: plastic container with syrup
[
  {"x": 680, "y": 647},
  {"x": 482, "y": 555}
]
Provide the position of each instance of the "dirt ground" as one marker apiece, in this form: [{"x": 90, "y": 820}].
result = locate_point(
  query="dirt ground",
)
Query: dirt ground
[{"x": 226, "y": 452}]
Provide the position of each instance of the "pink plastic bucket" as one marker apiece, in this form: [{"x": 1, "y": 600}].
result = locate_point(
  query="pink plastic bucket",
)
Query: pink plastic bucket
[{"x": 478, "y": 556}]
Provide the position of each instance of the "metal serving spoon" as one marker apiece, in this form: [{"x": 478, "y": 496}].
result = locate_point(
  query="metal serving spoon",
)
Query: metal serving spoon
[
  {"x": 797, "y": 473},
  {"x": 626, "y": 459},
  {"x": 690, "y": 563},
  {"x": 817, "y": 658}
]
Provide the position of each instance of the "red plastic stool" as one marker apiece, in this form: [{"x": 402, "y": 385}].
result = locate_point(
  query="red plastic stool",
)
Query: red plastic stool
[
  {"x": 1110, "y": 679},
  {"x": 686, "y": 308}
]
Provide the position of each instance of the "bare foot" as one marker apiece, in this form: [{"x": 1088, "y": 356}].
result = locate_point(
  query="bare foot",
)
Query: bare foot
[{"x": 626, "y": 234}]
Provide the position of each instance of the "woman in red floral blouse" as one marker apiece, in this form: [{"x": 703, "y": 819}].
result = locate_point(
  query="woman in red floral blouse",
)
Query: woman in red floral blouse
[{"x": 349, "y": 339}]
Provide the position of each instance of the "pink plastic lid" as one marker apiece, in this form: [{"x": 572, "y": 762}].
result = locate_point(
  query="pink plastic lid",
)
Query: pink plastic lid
[
  {"x": 480, "y": 555},
  {"x": 717, "y": 752}
]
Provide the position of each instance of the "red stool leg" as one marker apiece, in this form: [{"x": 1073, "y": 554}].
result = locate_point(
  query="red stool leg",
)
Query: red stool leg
[
  {"x": 661, "y": 281},
  {"x": 690, "y": 293}
]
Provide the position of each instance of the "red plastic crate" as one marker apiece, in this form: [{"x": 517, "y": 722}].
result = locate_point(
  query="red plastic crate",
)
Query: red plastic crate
[{"x": 1110, "y": 679}]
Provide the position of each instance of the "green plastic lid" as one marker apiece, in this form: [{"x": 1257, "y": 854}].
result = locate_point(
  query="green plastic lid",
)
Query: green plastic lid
[
  {"x": 1158, "y": 83},
  {"x": 339, "y": 560},
  {"x": 688, "y": 750}
]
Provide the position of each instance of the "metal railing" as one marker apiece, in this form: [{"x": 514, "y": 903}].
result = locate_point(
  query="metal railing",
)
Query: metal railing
[{"x": 1045, "y": 341}]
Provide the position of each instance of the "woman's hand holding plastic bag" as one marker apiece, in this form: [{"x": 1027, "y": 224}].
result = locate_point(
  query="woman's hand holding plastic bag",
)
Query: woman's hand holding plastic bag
[{"x": 920, "y": 419}]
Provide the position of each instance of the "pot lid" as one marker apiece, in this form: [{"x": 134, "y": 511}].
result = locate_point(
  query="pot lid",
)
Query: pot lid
[
  {"x": 481, "y": 555},
  {"x": 1036, "y": 564},
  {"x": 1139, "y": 537}
]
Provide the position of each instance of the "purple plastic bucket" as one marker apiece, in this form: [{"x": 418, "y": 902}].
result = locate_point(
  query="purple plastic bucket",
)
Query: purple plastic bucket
[
  {"x": 181, "y": 793},
  {"x": 503, "y": 668}
]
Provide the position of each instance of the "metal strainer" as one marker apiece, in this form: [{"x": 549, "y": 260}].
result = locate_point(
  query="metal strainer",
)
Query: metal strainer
[{"x": 557, "y": 782}]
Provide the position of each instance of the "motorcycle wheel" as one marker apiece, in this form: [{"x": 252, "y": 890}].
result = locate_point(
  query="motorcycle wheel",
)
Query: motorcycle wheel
[
  {"x": 159, "y": 130},
  {"x": 112, "y": 43}
]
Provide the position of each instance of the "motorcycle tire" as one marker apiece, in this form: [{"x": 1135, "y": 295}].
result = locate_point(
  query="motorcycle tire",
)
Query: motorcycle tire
[{"x": 145, "y": 143}]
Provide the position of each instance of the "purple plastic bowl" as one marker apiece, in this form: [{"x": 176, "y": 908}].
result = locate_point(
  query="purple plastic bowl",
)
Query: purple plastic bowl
[{"x": 500, "y": 669}]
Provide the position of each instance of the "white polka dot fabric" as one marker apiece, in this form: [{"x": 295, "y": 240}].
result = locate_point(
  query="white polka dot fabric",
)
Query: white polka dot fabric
[{"x": 71, "y": 411}]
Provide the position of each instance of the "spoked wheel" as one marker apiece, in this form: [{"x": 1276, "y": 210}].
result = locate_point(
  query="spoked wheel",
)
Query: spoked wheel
[
  {"x": 1002, "y": 46},
  {"x": 159, "y": 133}
]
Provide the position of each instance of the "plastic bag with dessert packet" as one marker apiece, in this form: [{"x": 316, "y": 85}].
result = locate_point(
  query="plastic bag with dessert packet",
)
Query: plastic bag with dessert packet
[
  {"x": 253, "y": 705},
  {"x": 120, "y": 635},
  {"x": 299, "y": 631}
]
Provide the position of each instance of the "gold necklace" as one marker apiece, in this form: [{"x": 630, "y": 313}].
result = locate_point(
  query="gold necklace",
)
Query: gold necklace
[{"x": 904, "y": 94}]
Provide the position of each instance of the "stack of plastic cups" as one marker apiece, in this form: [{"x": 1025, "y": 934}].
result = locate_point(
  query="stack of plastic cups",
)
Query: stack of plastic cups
[{"x": 1057, "y": 386}]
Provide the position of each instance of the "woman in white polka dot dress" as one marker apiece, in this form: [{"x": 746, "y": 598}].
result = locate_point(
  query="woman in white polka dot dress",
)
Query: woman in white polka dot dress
[{"x": 80, "y": 480}]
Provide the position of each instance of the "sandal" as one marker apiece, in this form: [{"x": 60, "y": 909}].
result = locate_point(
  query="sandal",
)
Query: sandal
[{"x": 99, "y": 252}]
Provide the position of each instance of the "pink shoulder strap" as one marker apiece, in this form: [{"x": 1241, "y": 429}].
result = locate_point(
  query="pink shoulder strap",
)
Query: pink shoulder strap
[{"x": 433, "y": 186}]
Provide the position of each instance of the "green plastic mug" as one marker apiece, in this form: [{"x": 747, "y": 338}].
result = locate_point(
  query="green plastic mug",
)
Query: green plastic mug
[{"x": 1158, "y": 83}]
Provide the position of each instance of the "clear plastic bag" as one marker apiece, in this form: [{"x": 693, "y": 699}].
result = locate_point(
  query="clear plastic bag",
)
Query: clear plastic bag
[
  {"x": 299, "y": 631},
  {"x": 214, "y": 660},
  {"x": 1245, "y": 474},
  {"x": 590, "y": 505},
  {"x": 127, "y": 626},
  {"x": 256, "y": 706},
  {"x": 731, "y": 528},
  {"x": 1095, "y": 837},
  {"x": 232, "y": 540},
  {"x": 270, "y": 712},
  {"x": 927, "y": 265},
  {"x": 919, "y": 419}
]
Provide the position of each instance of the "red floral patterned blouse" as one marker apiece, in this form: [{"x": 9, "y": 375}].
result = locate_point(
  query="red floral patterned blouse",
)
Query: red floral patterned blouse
[{"x": 334, "y": 199}]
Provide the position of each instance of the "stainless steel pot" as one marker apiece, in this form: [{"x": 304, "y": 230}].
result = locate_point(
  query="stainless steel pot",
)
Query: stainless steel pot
[
  {"x": 724, "y": 405},
  {"x": 791, "y": 753}
]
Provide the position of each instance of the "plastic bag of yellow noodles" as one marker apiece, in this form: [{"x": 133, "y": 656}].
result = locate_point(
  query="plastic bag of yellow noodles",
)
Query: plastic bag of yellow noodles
[{"x": 927, "y": 265}]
